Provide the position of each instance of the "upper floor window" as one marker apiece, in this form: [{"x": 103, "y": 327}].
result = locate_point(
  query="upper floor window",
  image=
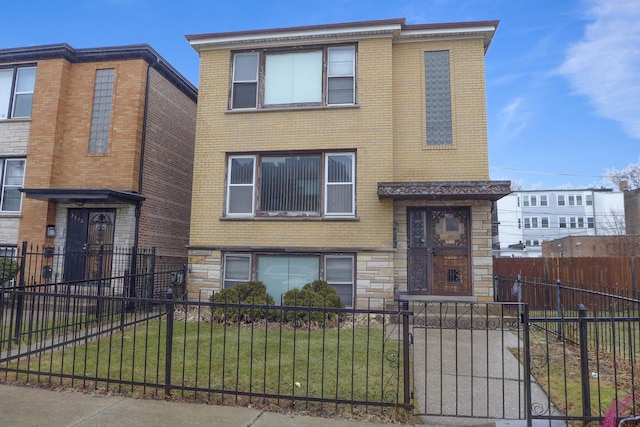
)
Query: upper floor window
[
  {"x": 315, "y": 76},
  {"x": 12, "y": 179},
  {"x": 561, "y": 201},
  {"x": 543, "y": 200},
  {"x": 575, "y": 200},
  {"x": 589, "y": 200},
  {"x": 16, "y": 92},
  {"x": 438, "y": 98},
  {"x": 305, "y": 184},
  {"x": 101, "y": 116}
]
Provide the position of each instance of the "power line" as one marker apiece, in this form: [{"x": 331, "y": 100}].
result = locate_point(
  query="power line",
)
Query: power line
[{"x": 546, "y": 173}]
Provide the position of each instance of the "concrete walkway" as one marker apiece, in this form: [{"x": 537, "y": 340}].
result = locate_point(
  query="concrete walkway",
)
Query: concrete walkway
[{"x": 26, "y": 406}]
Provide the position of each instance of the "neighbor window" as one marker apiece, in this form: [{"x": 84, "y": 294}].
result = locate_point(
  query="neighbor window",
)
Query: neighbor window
[
  {"x": 101, "y": 116},
  {"x": 589, "y": 200},
  {"x": 562, "y": 222},
  {"x": 590, "y": 222},
  {"x": 544, "y": 222},
  {"x": 438, "y": 98},
  {"x": 294, "y": 184},
  {"x": 282, "y": 273},
  {"x": 561, "y": 201},
  {"x": 543, "y": 200},
  {"x": 12, "y": 175},
  {"x": 16, "y": 92},
  {"x": 314, "y": 76}
]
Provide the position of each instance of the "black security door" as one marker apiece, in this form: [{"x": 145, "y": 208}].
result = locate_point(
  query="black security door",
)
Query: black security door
[
  {"x": 89, "y": 243},
  {"x": 438, "y": 246}
]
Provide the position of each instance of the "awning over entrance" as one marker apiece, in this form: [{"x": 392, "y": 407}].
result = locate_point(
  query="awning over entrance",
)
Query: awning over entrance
[
  {"x": 83, "y": 195},
  {"x": 444, "y": 190}
]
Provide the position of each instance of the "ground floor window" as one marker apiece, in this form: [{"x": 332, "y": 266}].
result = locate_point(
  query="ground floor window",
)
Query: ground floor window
[{"x": 281, "y": 273}]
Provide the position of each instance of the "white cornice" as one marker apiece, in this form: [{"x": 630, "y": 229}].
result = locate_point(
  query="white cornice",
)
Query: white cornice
[{"x": 287, "y": 37}]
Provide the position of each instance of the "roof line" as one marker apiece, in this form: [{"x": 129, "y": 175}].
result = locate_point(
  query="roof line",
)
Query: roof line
[{"x": 101, "y": 54}]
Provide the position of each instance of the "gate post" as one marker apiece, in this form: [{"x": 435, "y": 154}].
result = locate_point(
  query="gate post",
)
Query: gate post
[
  {"x": 527, "y": 364},
  {"x": 168, "y": 343},
  {"x": 405, "y": 353},
  {"x": 20, "y": 297},
  {"x": 584, "y": 362},
  {"x": 559, "y": 306}
]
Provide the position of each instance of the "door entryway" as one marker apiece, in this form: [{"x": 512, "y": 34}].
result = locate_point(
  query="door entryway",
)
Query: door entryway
[
  {"x": 438, "y": 250},
  {"x": 89, "y": 243}
]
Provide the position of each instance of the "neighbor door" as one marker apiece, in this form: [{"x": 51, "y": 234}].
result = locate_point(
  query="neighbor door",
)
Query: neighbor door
[
  {"x": 438, "y": 248},
  {"x": 89, "y": 244}
]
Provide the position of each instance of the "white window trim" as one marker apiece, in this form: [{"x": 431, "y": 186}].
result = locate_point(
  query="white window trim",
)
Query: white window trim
[
  {"x": 261, "y": 76},
  {"x": 353, "y": 273},
  {"x": 256, "y": 164},
  {"x": 352, "y": 183},
  {"x": 252, "y": 185},
  {"x": 224, "y": 273},
  {"x": 3, "y": 180}
]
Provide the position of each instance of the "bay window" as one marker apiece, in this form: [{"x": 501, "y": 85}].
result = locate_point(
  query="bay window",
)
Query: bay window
[
  {"x": 282, "y": 273},
  {"x": 314, "y": 76},
  {"x": 295, "y": 185}
]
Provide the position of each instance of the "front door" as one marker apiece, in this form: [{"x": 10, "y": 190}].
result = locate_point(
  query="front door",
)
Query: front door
[
  {"x": 438, "y": 247},
  {"x": 89, "y": 245}
]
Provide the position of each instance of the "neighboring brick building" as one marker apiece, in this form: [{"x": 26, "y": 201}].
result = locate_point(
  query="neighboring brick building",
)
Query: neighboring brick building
[
  {"x": 354, "y": 153},
  {"x": 101, "y": 141}
]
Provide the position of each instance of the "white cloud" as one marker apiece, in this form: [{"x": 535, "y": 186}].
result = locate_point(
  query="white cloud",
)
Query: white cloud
[
  {"x": 512, "y": 119},
  {"x": 605, "y": 64}
]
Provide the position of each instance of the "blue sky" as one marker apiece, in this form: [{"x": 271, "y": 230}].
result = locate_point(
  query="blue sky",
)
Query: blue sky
[{"x": 563, "y": 77}]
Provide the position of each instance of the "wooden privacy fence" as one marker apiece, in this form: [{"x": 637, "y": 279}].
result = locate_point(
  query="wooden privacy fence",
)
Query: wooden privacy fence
[{"x": 610, "y": 272}]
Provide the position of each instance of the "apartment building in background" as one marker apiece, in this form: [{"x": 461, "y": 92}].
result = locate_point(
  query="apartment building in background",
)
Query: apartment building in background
[
  {"x": 527, "y": 219},
  {"x": 355, "y": 153},
  {"x": 96, "y": 148}
]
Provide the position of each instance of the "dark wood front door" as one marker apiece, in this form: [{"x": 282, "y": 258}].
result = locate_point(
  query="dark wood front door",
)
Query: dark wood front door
[
  {"x": 438, "y": 247},
  {"x": 89, "y": 244}
]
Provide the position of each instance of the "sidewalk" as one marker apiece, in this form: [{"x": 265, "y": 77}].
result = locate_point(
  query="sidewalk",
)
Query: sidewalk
[{"x": 26, "y": 406}]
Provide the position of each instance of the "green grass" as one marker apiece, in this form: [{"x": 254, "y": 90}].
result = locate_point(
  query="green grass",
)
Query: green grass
[{"x": 326, "y": 363}]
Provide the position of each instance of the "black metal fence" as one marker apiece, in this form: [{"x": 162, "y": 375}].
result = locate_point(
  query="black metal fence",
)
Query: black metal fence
[
  {"x": 99, "y": 270},
  {"x": 583, "y": 348},
  {"x": 326, "y": 359}
]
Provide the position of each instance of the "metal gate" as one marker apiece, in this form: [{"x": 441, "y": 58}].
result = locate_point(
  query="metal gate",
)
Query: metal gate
[{"x": 466, "y": 360}]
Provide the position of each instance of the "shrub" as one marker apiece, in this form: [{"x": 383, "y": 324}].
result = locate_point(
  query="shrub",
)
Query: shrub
[
  {"x": 316, "y": 294},
  {"x": 8, "y": 269},
  {"x": 250, "y": 293}
]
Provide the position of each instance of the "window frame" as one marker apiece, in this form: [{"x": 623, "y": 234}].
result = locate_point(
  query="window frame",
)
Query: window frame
[
  {"x": 253, "y": 261},
  {"x": 323, "y": 211},
  {"x": 102, "y": 108},
  {"x": 562, "y": 222},
  {"x": 261, "y": 76},
  {"x": 4, "y": 185},
  {"x": 224, "y": 272},
  {"x": 13, "y": 93},
  {"x": 229, "y": 185}
]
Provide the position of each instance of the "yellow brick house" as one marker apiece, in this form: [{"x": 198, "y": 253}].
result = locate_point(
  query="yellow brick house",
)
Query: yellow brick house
[{"x": 355, "y": 153}]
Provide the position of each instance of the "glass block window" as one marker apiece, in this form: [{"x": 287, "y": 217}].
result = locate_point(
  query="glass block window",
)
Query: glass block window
[
  {"x": 438, "y": 98},
  {"x": 101, "y": 117}
]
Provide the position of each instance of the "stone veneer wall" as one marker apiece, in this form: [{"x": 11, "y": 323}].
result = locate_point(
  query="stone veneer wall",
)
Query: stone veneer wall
[
  {"x": 374, "y": 276},
  {"x": 481, "y": 259},
  {"x": 14, "y": 136}
]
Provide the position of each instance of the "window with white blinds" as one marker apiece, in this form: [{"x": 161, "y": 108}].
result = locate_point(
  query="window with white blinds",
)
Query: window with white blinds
[{"x": 307, "y": 184}]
